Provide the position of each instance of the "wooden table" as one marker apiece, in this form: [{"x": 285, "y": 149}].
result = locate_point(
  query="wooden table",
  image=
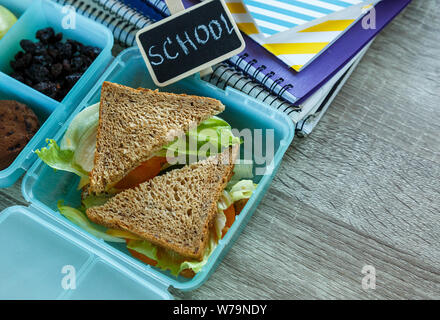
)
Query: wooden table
[{"x": 362, "y": 189}]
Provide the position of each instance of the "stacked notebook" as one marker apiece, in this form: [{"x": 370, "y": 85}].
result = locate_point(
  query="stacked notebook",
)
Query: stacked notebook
[{"x": 257, "y": 71}]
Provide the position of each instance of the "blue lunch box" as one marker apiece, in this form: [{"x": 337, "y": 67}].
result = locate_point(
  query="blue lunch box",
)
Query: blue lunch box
[{"x": 40, "y": 248}]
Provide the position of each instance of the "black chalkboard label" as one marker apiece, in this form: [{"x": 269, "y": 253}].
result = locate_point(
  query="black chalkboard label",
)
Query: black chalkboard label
[{"x": 189, "y": 41}]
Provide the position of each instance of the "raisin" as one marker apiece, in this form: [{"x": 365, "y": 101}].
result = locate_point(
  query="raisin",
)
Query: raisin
[
  {"x": 43, "y": 59},
  {"x": 16, "y": 66},
  {"x": 53, "y": 53},
  {"x": 27, "y": 58},
  {"x": 77, "y": 63},
  {"x": 39, "y": 48},
  {"x": 38, "y": 73},
  {"x": 66, "y": 66},
  {"x": 58, "y": 46},
  {"x": 66, "y": 50},
  {"x": 22, "y": 62},
  {"x": 46, "y": 87},
  {"x": 56, "y": 70},
  {"x": 57, "y": 38},
  {"x": 44, "y": 35},
  {"x": 17, "y": 76},
  {"x": 86, "y": 62},
  {"x": 91, "y": 52},
  {"x": 19, "y": 55},
  {"x": 73, "y": 78},
  {"x": 27, "y": 45},
  {"x": 76, "y": 46}
]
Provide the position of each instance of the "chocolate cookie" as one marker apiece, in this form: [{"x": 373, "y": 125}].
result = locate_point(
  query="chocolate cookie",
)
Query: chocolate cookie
[{"x": 18, "y": 124}]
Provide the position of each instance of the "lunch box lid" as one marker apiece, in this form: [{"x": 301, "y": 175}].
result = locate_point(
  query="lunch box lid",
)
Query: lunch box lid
[
  {"x": 33, "y": 15},
  {"x": 44, "y": 260},
  {"x": 43, "y": 250}
]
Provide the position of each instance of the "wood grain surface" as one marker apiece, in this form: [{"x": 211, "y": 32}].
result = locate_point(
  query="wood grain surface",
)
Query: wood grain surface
[{"x": 362, "y": 189}]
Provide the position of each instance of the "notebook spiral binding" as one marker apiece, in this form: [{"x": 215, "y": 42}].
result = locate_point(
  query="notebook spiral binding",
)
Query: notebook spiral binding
[
  {"x": 119, "y": 23},
  {"x": 158, "y": 4},
  {"x": 129, "y": 27},
  {"x": 228, "y": 74}
]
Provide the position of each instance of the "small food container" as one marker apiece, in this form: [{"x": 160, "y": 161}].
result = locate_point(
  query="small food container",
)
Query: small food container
[
  {"x": 38, "y": 15},
  {"x": 40, "y": 248}
]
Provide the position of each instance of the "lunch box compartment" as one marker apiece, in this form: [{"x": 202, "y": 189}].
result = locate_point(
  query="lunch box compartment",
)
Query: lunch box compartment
[
  {"x": 49, "y": 123},
  {"x": 32, "y": 16},
  {"x": 47, "y": 262},
  {"x": 29, "y": 246},
  {"x": 44, "y": 13},
  {"x": 44, "y": 187}
]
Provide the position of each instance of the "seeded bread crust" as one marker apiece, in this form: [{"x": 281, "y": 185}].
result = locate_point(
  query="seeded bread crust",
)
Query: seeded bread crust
[
  {"x": 175, "y": 210},
  {"x": 135, "y": 124}
]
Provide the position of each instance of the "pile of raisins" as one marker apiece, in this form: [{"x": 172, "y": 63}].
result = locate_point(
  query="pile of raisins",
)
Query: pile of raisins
[{"x": 50, "y": 65}]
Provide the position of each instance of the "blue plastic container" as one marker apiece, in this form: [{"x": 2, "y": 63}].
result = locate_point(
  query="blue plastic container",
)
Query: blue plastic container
[
  {"x": 41, "y": 14},
  {"x": 44, "y": 242}
]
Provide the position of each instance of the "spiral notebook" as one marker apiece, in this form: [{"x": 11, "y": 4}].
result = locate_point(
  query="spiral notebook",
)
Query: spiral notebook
[
  {"x": 256, "y": 71},
  {"x": 297, "y": 32}
]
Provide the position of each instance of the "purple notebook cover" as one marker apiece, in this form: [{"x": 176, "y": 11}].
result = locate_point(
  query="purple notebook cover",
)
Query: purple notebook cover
[{"x": 325, "y": 66}]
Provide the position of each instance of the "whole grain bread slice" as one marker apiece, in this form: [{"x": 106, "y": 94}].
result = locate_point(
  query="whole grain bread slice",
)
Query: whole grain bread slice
[
  {"x": 174, "y": 210},
  {"x": 135, "y": 124}
]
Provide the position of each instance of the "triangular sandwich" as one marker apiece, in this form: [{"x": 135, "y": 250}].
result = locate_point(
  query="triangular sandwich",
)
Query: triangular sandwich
[
  {"x": 175, "y": 210},
  {"x": 135, "y": 124}
]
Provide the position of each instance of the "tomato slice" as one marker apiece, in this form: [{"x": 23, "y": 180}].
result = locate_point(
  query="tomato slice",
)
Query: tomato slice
[
  {"x": 239, "y": 205},
  {"x": 187, "y": 273},
  {"x": 230, "y": 215},
  {"x": 141, "y": 257},
  {"x": 146, "y": 171},
  {"x": 230, "y": 218}
]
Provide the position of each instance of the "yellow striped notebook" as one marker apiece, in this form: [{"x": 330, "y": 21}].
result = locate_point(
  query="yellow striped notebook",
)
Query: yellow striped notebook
[{"x": 298, "y": 31}]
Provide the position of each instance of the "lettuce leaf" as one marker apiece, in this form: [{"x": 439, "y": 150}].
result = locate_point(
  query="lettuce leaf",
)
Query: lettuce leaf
[
  {"x": 144, "y": 247},
  {"x": 77, "y": 148},
  {"x": 224, "y": 201},
  {"x": 196, "y": 266},
  {"x": 169, "y": 260},
  {"x": 243, "y": 169},
  {"x": 216, "y": 131},
  {"x": 219, "y": 223},
  {"x": 80, "y": 219},
  {"x": 59, "y": 159},
  {"x": 80, "y": 137},
  {"x": 210, "y": 137},
  {"x": 83, "y": 121},
  {"x": 96, "y": 200},
  {"x": 242, "y": 190}
]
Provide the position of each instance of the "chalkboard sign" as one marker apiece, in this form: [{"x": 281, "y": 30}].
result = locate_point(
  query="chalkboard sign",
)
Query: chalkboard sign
[{"x": 189, "y": 41}]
